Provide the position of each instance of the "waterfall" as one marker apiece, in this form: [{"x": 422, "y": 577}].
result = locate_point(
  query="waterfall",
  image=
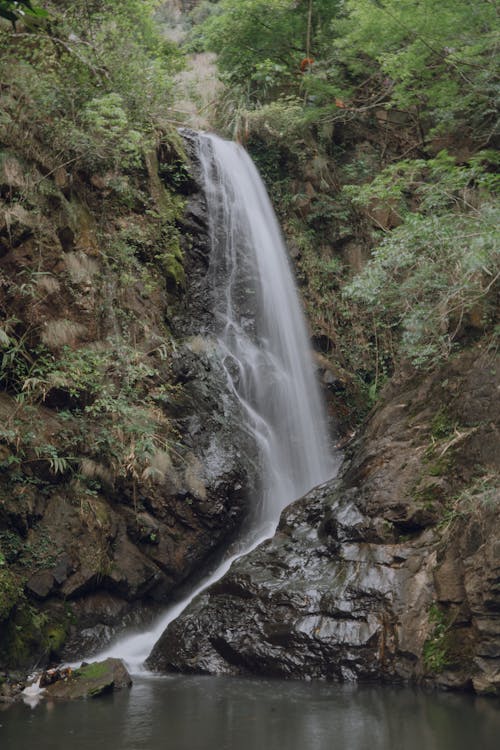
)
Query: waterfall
[
  {"x": 262, "y": 333},
  {"x": 264, "y": 348}
]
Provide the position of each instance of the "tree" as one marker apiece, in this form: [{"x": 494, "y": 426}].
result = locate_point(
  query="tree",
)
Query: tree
[
  {"x": 261, "y": 43},
  {"x": 439, "y": 57}
]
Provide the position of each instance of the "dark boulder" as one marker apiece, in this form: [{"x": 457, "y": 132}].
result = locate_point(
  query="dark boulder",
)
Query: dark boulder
[{"x": 390, "y": 573}]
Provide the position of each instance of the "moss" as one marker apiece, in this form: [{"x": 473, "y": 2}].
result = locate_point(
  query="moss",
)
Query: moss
[
  {"x": 171, "y": 263},
  {"x": 94, "y": 671},
  {"x": 441, "y": 466},
  {"x": 442, "y": 426},
  {"x": 21, "y": 638},
  {"x": 57, "y": 637},
  {"x": 11, "y": 591},
  {"x": 436, "y": 651},
  {"x": 31, "y": 635}
]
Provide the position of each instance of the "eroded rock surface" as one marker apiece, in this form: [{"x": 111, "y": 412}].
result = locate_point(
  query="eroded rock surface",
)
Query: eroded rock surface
[{"x": 392, "y": 572}]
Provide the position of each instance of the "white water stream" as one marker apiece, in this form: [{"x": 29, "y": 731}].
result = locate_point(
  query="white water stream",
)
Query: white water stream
[{"x": 264, "y": 348}]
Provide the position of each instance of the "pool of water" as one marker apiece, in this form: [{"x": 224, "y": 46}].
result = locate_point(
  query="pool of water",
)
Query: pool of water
[{"x": 214, "y": 713}]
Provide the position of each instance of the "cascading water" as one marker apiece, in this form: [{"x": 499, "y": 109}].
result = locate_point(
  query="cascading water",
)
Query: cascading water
[
  {"x": 264, "y": 348},
  {"x": 262, "y": 336}
]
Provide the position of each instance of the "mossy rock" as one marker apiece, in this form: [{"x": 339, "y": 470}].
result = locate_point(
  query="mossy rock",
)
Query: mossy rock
[
  {"x": 11, "y": 591},
  {"x": 32, "y": 636},
  {"x": 91, "y": 680}
]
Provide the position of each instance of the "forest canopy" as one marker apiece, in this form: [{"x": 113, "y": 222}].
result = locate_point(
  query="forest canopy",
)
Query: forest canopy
[
  {"x": 306, "y": 82},
  {"x": 439, "y": 58},
  {"x": 386, "y": 114}
]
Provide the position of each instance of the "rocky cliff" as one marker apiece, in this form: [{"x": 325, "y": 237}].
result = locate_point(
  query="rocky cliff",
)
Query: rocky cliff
[
  {"x": 121, "y": 469},
  {"x": 121, "y": 476},
  {"x": 391, "y": 572}
]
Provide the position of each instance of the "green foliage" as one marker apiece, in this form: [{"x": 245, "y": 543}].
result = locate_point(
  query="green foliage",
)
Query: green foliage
[
  {"x": 430, "y": 272},
  {"x": 11, "y": 546},
  {"x": 10, "y": 591},
  {"x": 442, "y": 426},
  {"x": 432, "y": 185},
  {"x": 175, "y": 174},
  {"x": 439, "y": 57},
  {"x": 395, "y": 78},
  {"x": 141, "y": 247},
  {"x": 281, "y": 118},
  {"x": 94, "y": 86},
  {"x": 261, "y": 43},
  {"x": 16, "y": 10},
  {"x": 58, "y": 464},
  {"x": 106, "y": 392},
  {"x": 436, "y": 647},
  {"x": 90, "y": 94},
  {"x": 22, "y": 365},
  {"x": 105, "y": 120},
  {"x": 434, "y": 60},
  {"x": 30, "y": 634},
  {"x": 77, "y": 371}
]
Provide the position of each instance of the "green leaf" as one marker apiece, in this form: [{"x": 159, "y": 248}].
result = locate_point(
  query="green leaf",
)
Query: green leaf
[{"x": 4, "y": 338}]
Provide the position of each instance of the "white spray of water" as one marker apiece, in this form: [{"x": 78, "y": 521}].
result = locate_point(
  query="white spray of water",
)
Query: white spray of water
[
  {"x": 264, "y": 349},
  {"x": 33, "y": 693}
]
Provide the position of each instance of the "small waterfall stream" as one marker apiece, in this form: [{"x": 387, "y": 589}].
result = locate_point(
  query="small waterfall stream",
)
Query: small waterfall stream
[{"x": 264, "y": 348}]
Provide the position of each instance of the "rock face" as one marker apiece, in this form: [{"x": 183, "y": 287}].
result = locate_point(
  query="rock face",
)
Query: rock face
[
  {"x": 121, "y": 563},
  {"x": 317, "y": 601},
  {"x": 392, "y": 572},
  {"x": 92, "y": 544}
]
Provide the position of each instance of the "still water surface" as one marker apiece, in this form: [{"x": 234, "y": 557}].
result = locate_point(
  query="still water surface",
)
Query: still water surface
[{"x": 209, "y": 713}]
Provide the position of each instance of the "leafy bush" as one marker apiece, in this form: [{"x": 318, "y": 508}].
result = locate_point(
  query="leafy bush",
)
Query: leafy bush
[
  {"x": 92, "y": 85},
  {"x": 15, "y": 10},
  {"x": 436, "y": 649},
  {"x": 103, "y": 392},
  {"x": 441, "y": 263},
  {"x": 439, "y": 57},
  {"x": 106, "y": 121},
  {"x": 433, "y": 59}
]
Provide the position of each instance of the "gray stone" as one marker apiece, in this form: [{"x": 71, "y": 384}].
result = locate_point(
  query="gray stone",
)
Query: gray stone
[{"x": 90, "y": 680}]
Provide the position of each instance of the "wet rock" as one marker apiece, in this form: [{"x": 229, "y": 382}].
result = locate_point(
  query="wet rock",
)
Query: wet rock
[
  {"x": 131, "y": 551},
  {"x": 108, "y": 559},
  {"x": 486, "y": 681},
  {"x": 11, "y": 687},
  {"x": 101, "y": 617},
  {"x": 89, "y": 681},
  {"x": 383, "y": 574},
  {"x": 301, "y": 607},
  {"x": 40, "y": 585}
]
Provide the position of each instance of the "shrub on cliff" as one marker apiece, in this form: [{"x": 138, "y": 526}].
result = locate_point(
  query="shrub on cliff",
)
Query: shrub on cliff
[
  {"x": 433, "y": 279},
  {"x": 92, "y": 82}
]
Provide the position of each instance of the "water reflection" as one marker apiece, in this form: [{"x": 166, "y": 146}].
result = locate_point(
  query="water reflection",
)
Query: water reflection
[{"x": 195, "y": 713}]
